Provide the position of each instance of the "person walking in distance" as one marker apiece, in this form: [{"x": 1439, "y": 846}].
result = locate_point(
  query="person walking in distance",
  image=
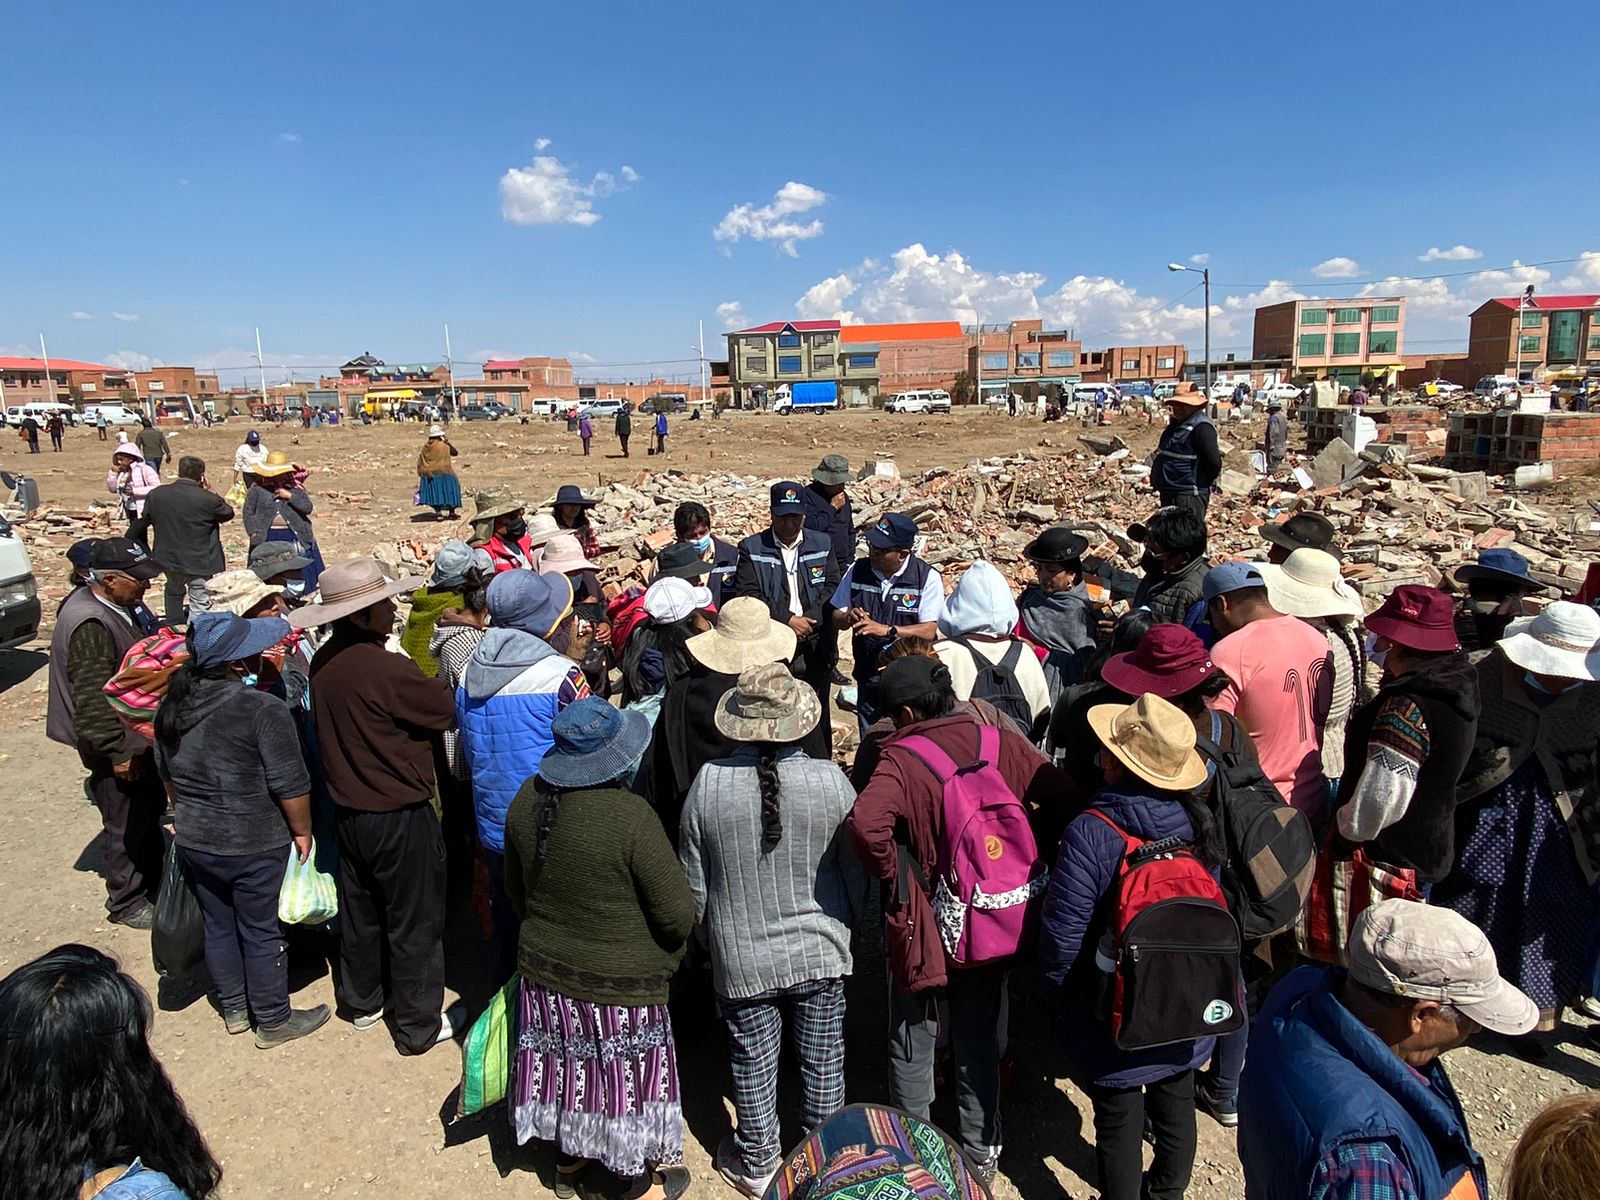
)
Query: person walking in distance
[
  {"x": 152, "y": 444},
  {"x": 187, "y": 517},
  {"x": 661, "y": 431},
  {"x": 100, "y": 423},
  {"x": 95, "y": 628},
  {"x": 57, "y": 427},
  {"x": 1276, "y": 444},
  {"x": 624, "y": 427},
  {"x": 586, "y": 432},
  {"x": 1187, "y": 459},
  {"x": 30, "y": 432},
  {"x": 376, "y": 716}
]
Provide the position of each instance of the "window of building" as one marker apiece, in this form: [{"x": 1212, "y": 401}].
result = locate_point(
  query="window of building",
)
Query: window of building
[
  {"x": 1061, "y": 358},
  {"x": 1130, "y": 364},
  {"x": 1028, "y": 359},
  {"x": 1346, "y": 316},
  {"x": 1313, "y": 345},
  {"x": 1386, "y": 314},
  {"x": 1528, "y": 345},
  {"x": 788, "y": 364},
  {"x": 1347, "y": 343},
  {"x": 756, "y": 364},
  {"x": 822, "y": 362},
  {"x": 1381, "y": 341},
  {"x": 1563, "y": 337},
  {"x": 821, "y": 340},
  {"x": 755, "y": 343},
  {"x": 997, "y": 362},
  {"x": 788, "y": 341},
  {"x": 1345, "y": 376},
  {"x": 1532, "y": 318},
  {"x": 1594, "y": 343},
  {"x": 1168, "y": 363},
  {"x": 1313, "y": 316},
  {"x": 861, "y": 361}
]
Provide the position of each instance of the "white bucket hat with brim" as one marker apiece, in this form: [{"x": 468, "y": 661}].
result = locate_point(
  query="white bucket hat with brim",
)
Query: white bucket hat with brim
[
  {"x": 1563, "y": 640},
  {"x": 1308, "y": 584},
  {"x": 346, "y": 588},
  {"x": 1154, "y": 739},
  {"x": 745, "y": 636}
]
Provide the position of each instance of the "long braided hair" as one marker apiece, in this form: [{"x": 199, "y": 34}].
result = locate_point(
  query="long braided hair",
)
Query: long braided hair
[{"x": 767, "y": 777}]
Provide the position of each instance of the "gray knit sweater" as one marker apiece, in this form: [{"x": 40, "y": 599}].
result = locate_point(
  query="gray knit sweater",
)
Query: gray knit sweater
[{"x": 781, "y": 917}]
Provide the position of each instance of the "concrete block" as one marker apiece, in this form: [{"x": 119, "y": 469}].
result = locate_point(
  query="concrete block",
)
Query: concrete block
[
  {"x": 1334, "y": 465},
  {"x": 1469, "y": 485}
]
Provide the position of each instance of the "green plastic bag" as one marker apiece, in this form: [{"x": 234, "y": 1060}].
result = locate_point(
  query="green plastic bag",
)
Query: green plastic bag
[
  {"x": 487, "y": 1053},
  {"x": 308, "y": 896}
]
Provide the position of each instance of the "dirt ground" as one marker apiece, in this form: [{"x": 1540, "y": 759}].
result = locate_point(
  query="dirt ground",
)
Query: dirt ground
[{"x": 340, "y": 1113}]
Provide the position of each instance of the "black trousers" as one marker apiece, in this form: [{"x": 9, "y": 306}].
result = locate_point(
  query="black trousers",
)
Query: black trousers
[
  {"x": 130, "y": 842},
  {"x": 623, "y": 439},
  {"x": 1196, "y": 504},
  {"x": 391, "y": 919},
  {"x": 1119, "y": 1115}
]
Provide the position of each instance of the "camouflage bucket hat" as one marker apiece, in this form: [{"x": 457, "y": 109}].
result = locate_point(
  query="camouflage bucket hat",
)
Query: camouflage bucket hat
[{"x": 768, "y": 704}]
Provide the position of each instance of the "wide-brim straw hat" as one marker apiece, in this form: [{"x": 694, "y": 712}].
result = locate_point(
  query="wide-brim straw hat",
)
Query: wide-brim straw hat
[
  {"x": 496, "y": 502},
  {"x": 1154, "y": 739},
  {"x": 1308, "y": 584},
  {"x": 1563, "y": 640},
  {"x": 768, "y": 704},
  {"x": 744, "y": 636},
  {"x": 277, "y": 463},
  {"x": 346, "y": 588},
  {"x": 239, "y": 591},
  {"x": 562, "y": 553}
]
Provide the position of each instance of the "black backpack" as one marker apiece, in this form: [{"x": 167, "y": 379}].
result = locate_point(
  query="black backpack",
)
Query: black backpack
[
  {"x": 1271, "y": 853},
  {"x": 996, "y": 682}
]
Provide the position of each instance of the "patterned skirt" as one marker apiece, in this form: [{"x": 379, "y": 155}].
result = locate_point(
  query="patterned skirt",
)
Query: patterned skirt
[
  {"x": 598, "y": 1080},
  {"x": 1516, "y": 877}
]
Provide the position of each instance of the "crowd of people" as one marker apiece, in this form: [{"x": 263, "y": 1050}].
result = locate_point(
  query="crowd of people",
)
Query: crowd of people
[{"x": 1264, "y": 848}]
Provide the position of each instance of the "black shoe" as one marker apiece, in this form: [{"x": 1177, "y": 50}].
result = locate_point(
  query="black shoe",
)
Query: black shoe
[
  {"x": 236, "y": 1020},
  {"x": 143, "y": 917},
  {"x": 838, "y": 678},
  {"x": 1223, "y": 1112},
  {"x": 301, "y": 1022}
]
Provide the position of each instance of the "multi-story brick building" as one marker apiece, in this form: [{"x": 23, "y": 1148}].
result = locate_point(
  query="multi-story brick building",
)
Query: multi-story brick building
[
  {"x": 1014, "y": 354},
  {"x": 1341, "y": 340},
  {"x": 24, "y": 380},
  {"x": 184, "y": 381},
  {"x": 1546, "y": 337},
  {"x": 536, "y": 372},
  {"x": 764, "y": 356},
  {"x": 1154, "y": 363}
]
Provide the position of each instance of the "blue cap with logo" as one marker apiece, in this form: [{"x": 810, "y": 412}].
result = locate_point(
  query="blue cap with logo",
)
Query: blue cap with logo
[
  {"x": 892, "y": 532},
  {"x": 1230, "y": 577},
  {"x": 786, "y": 498}
]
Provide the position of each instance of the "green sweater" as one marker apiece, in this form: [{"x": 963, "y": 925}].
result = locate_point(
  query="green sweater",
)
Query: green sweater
[
  {"x": 606, "y": 914},
  {"x": 427, "y": 605}
]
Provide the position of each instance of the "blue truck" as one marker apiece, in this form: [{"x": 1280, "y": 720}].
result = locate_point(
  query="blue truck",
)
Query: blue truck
[{"x": 805, "y": 397}]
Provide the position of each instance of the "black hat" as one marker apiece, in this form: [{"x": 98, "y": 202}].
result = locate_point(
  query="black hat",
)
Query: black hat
[
  {"x": 1058, "y": 544},
  {"x": 571, "y": 493},
  {"x": 680, "y": 560},
  {"x": 912, "y": 677},
  {"x": 124, "y": 555},
  {"x": 1302, "y": 531},
  {"x": 786, "y": 497},
  {"x": 79, "y": 553}
]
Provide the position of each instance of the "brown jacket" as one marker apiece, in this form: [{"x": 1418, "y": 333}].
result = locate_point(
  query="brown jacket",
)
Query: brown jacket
[{"x": 435, "y": 458}]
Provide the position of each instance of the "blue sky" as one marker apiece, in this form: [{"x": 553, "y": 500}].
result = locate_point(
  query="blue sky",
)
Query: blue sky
[{"x": 552, "y": 180}]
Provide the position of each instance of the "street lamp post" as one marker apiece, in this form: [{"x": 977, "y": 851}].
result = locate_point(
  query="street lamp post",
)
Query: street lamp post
[
  {"x": 1205, "y": 279},
  {"x": 1522, "y": 302}
]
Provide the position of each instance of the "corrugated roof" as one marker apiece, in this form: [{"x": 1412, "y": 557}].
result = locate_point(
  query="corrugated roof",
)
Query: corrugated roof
[
  {"x": 1587, "y": 301},
  {"x": 56, "y": 364},
  {"x": 797, "y": 326},
  {"x": 910, "y": 331}
]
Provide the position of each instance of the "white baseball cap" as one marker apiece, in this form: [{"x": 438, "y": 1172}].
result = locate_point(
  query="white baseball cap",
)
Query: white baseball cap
[{"x": 670, "y": 599}]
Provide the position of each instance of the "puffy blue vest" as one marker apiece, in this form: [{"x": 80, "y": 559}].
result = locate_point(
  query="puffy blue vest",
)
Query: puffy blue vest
[
  {"x": 505, "y": 737},
  {"x": 1316, "y": 1077},
  {"x": 897, "y": 606},
  {"x": 1175, "y": 468}
]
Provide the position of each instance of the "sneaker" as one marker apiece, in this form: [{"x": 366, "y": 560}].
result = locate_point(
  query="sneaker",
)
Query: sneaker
[
  {"x": 301, "y": 1022},
  {"x": 143, "y": 917},
  {"x": 1223, "y": 1112},
  {"x": 731, "y": 1168},
  {"x": 1589, "y": 1006},
  {"x": 368, "y": 1020},
  {"x": 451, "y": 1020},
  {"x": 986, "y": 1168},
  {"x": 236, "y": 1020}
]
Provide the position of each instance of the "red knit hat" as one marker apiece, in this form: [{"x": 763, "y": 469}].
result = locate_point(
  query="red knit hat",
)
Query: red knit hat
[
  {"x": 1168, "y": 661},
  {"x": 1419, "y": 617}
]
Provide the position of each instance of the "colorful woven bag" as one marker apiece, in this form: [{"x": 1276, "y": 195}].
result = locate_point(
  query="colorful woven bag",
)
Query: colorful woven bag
[{"x": 487, "y": 1053}]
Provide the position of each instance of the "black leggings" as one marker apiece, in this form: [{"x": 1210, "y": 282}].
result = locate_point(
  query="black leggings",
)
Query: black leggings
[{"x": 1119, "y": 1115}]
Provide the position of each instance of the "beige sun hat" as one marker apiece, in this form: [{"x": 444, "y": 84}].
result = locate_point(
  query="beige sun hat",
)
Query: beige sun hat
[
  {"x": 768, "y": 704},
  {"x": 562, "y": 553},
  {"x": 277, "y": 463},
  {"x": 1308, "y": 584},
  {"x": 435, "y": 431},
  {"x": 496, "y": 502},
  {"x": 541, "y": 528},
  {"x": 346, "y": 588},
  {"x": 1563, "y": 640},
  {"x": 239, "y": 591},
  {"x": 1154, "y": 739},
  {"x": 744, "y": 636}
]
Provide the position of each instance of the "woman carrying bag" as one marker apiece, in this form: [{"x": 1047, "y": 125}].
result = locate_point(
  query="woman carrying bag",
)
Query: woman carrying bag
[{"x": 230, "y": 757}]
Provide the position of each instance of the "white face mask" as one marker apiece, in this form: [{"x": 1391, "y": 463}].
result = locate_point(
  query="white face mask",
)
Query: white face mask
[{"x": 1374, "y": 655}]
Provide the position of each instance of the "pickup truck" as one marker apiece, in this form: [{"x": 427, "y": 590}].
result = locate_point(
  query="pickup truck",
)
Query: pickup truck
[{"x": 19, "y": 593}]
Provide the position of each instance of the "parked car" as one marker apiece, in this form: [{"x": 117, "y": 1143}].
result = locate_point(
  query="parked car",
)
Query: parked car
[
  {"x": 116, "y": 414},
  {"x": 1495, "y": 386},
  {"x": 1286, "y": 392},
  {"x": 549, "y": 406},
  {"x": 1084, "y": 393},
  {"x": 671, "y": 402},
  {"x": 1443, "y": 387},
  {"x": 19, "y": 592},
  {"x": 477, "y": 412},
  {"x": 41, "y": 412},
  {"x": 597, "y": 410}
]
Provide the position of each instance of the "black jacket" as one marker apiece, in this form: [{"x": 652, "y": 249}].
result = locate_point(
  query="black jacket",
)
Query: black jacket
[
  {"x": 760, "y": 573},
  {"x": 186, "y": 518},
  {"x": 837, "y": 523}
]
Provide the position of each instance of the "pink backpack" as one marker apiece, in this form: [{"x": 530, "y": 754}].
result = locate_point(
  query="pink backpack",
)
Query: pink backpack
[{"x": 989, "y": 881}]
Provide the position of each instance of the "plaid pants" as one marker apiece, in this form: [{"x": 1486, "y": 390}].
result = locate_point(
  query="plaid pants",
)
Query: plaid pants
[{"x": 815, "y": 1013}]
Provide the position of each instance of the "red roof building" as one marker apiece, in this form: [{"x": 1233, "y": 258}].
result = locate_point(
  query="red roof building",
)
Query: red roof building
[{"x": 1539, "y": 339}]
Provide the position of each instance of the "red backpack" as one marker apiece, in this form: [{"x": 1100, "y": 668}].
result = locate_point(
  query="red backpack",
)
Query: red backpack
[
  {"x": 989, "y": 881},
  {"x": 1174, "y": 947}
]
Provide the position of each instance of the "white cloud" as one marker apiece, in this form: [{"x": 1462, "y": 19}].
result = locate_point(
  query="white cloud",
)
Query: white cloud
[
  {"x": 825, "y": 301},
  {"x": 290, "y": 139},
  {"x": 773, "y": 222},
  {"x": 80, "y": 315},
  {"x": 629, "y": 175},
  {"x": 1456, "y": 253},
  {"x": 131, "y": 360},
  {"x": 545, "y": 193},
  {"x": 125, "y": 318},
  {"x": 1502, "y": 282},
  {"x": 1200, "y": 260},
  {"x": 1586, "y": 275},
  {"x": 579, "y": 358},
  {"x": 1338, "y": 267},
  {"x": 731, "y": 314}
]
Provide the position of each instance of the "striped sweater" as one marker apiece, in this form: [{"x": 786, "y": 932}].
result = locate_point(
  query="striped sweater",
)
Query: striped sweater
[{"x": 781, "y": 917}]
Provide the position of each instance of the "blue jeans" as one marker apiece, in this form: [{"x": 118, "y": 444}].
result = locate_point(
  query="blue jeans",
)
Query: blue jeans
[{"x": 245, "y": 951}]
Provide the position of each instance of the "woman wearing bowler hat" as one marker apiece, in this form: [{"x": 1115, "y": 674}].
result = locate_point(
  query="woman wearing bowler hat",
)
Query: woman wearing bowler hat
[
  {"x": 571, "y": 508},
  {"x": 1056, "y": 613}
]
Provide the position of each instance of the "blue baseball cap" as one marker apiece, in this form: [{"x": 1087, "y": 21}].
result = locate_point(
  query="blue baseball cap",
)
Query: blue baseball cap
[
  {"x": 786, "y": 498},
  {"x": 892, "y": 532},
  {"x": 1230, "y": 577}
]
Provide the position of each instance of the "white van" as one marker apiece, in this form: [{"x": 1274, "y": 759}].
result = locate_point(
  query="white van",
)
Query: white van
[
  {"x": 548, "y": 406},
  {"x": 918, "y": 402},
  {"x": 1495, "y": 386},
  {"x": 41, "y": 412},
  {"x": 19, "y": 592},
  {"x": 116, "y": 414}
]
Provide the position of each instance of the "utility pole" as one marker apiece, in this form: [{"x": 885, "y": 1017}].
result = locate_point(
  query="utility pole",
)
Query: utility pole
[
  {"x": 261, "y": 365},
  {"x": 450, "y": 368},
  {"x": 705, "y": 379},
  {"x": 49, "y": 381}
]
